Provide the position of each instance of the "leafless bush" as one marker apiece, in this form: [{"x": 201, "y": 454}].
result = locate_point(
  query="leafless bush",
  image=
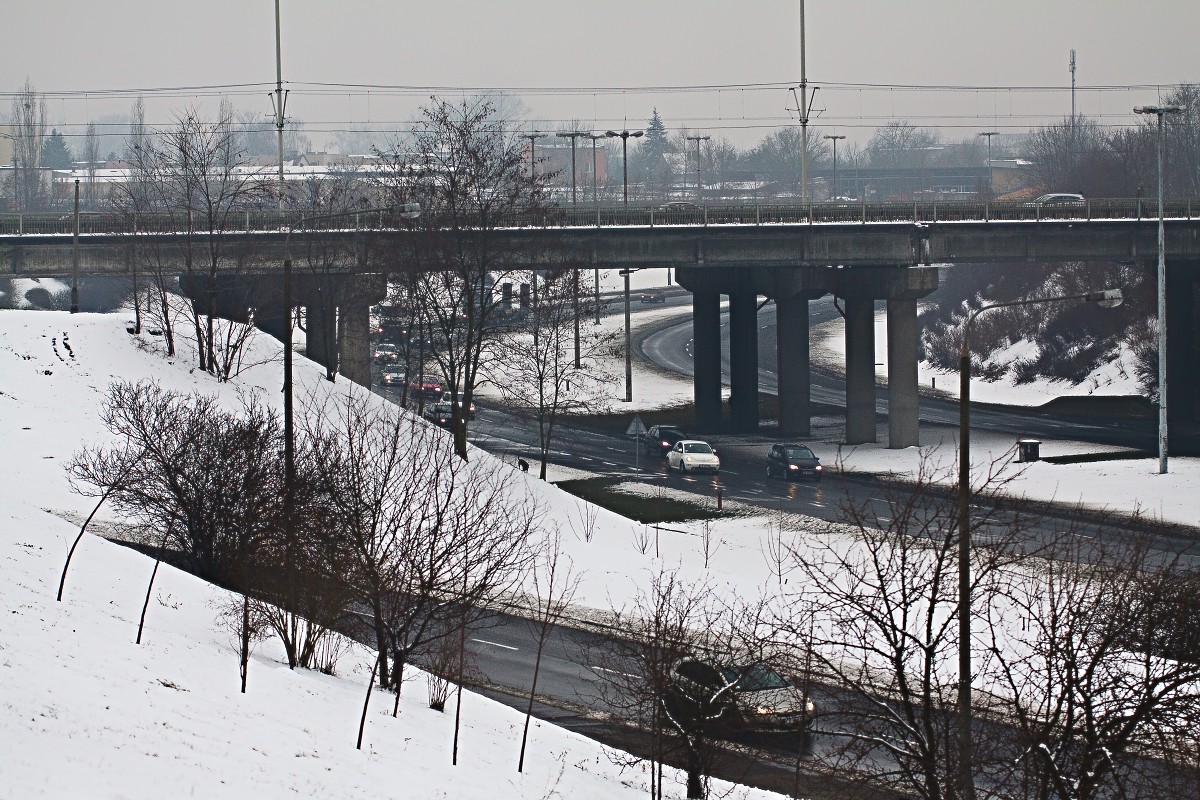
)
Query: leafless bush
[{"x": 584, "y": 520}]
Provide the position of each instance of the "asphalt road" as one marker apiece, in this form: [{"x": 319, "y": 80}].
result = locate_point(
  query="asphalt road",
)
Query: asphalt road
[
  {"x": 572, "y": 678},
  {"x": 669, "y": 346}
]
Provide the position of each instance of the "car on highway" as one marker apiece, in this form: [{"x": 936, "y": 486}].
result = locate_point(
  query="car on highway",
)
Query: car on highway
[
  {"x": 749, "y": 696},
  {"x": 1057, "y": 200},
  {"x": 385, "y": 351},
  {"x": 450, "y": 397},
  {"x": 427, "y": 386},
  {"x": 790, "y": 461},
  {"x": 659, "y": 439},
  {"x": 440, "y": 414},
  {"x": 392, "y": 376},
  {"x": 654, "y": 296},
  {"x": 693, "y": 455},
  {"x": 679, "y": 205}
]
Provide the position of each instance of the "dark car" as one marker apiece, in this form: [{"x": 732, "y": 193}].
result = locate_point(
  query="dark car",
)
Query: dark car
[
  {"x": 654, "y": 296},
  {"x": 449, "y": 397},
  {"x": 790, "y": 461},
  {"x": 735, "y": 696},
  {"x": 661, "y": 438},
  {"x": 426, "y": 386},
  {"x": 440, "y": 414}
]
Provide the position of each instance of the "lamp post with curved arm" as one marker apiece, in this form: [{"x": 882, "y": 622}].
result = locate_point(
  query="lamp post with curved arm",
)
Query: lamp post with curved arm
[
  {"x": 1162, "y": 290},
  {"x": 1108, "y": 298}
]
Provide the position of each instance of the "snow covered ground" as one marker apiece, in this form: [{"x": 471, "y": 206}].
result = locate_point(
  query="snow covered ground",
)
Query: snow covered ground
[{"x": 85, "y": 712}]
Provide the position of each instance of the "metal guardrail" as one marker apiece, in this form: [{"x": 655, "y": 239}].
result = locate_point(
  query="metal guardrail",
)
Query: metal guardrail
[{"x": 111, "y": 223}]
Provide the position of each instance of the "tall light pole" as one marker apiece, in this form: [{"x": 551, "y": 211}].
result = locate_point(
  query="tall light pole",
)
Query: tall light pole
[
  {"x": 989, "y": 135},
  {"x": 834, "y": 138},
  {"x": 596, "y": 203},
  {"x": 803, "y": 109},
  {"x": 698, "y": 140},
  {"x": 573, "y": 135},
  {"x": 625, "y": 273},
  {"x": 1159, "y": 111},
  {"x": 533, "y": 137},
  {"x": 279, "y": 101},
  {"x": 1109, "y": 298},
  {"x": 625, "y": 160}
]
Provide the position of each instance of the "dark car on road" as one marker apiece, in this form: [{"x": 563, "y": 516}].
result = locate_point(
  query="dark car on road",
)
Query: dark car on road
[
  {"x": 440, "y": 414},
  {"x": 790, "y": 461},
  {"x": 654, "y": 296},
  {"x": 661, "y": 438},
  {"x": 734, "y": 696},
  {"x": 450, "y": 397}
]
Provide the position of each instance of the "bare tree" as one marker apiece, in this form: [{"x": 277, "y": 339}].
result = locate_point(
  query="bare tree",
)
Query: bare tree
[
  {"x": 536, "y": 369},
  {"x": 427, "y": 534},
  {"x": 464, "y": 164},
  {"x": 91, "y": 158},
  {"x": 554, "y": 588},
  {"x": 195, "y": 177},
  {"x": 1098, "y": 668},
  {"x": 29, "y": 125},
  {"x": 882, "y": 593},
  {"x": 675, "y": 627}
]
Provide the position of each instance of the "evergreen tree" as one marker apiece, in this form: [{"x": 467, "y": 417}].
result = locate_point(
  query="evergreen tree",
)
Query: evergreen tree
[
  {"x": 55, "y": 153},
  {"x": 650, "y": 166}
]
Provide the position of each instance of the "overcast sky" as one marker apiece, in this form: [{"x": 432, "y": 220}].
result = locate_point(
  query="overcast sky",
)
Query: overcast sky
[{"x": 621, "y": 58}]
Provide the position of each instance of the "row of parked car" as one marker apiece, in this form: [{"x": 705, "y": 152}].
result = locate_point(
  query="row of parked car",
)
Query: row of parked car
[{"x": 684, "y": 454}]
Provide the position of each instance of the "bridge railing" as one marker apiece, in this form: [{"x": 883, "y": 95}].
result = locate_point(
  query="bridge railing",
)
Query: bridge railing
[{"x": 587, "y": 216}]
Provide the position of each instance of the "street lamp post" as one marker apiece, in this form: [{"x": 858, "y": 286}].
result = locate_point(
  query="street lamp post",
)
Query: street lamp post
[
  {"x": 625, "y": 273},
  {"x": 625, "y": 159},
  {"x": 989, "y": 135},
  {"x": 596, "y": 203},
  {"x": 698, "y": 140},
  {"x": 1108, "y": 298},
  {"x": 1159, "y": 111},
  {"x": 834, "y": 138}
]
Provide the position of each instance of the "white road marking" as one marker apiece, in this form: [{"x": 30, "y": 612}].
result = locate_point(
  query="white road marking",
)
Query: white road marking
[
  {"x": 496, "y": 644},
  {"x": 615, "y": 672}
]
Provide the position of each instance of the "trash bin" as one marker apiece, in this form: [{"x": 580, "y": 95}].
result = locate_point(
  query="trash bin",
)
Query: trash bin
[{"x": 1029, "y": 450}]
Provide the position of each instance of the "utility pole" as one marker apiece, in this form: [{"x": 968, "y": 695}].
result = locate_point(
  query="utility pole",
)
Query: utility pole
[
  {"x": 279, "y": 102},
  {"x": 573, "y": 135},
  {"x": 803, "y": 115},
  {"x": 698, "y": 140},
  {"x": 989, "y": 135},
  {"x": 532, "y": 137}
]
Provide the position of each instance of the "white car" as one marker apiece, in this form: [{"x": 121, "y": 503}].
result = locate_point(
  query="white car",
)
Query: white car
[{"x": 690, "y": 455}]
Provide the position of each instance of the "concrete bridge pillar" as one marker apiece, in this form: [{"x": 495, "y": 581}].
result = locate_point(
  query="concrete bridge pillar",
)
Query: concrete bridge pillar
[
  {"x": 903, "y": 410},
  {"x": 320, "y": 320},
  {"x": 354, "y": 341},
  {"x": 743, "y": 356},
  {"x": 860, "y": 368},
  {"x": 271, "y": 317},
  {"x": 1183, "y": 355},
  {"x": 706, "y": 357},
  {"x": 792, "y": 365},
  {"x": 791, "y": 290}
]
